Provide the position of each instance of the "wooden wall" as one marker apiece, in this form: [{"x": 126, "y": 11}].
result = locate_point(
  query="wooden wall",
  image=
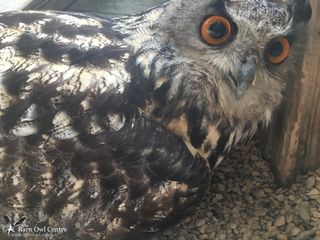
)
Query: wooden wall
[
  {"x": 11, "y": 5},
  {"x": 109, "y": 8},
  {"x": 115, "y": 7},
  {"x": 293, "y": 142},
  {"x": 50, "y": 4}
]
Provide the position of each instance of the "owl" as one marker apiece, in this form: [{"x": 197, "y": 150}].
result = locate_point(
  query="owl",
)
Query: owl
[{"x": 112, "y": 128}]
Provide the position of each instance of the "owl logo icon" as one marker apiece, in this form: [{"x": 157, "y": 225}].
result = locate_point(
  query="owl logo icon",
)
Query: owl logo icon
[{"x": 11, "y": 224}]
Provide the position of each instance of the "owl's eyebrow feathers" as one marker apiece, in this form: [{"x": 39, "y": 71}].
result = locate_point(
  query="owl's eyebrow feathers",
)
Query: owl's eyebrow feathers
[{"x": 261, "y": 13}]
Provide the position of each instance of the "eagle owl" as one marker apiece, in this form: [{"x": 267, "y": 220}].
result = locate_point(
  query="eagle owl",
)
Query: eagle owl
[{"x": 112, "y": 127}]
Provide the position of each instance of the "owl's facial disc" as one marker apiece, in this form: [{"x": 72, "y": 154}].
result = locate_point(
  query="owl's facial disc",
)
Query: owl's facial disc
[
  {"x": 217, "y": 31},
  {"x": 244, "y": 76}
]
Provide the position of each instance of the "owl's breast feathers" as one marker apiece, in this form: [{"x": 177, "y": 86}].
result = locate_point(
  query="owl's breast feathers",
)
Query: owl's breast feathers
[{"x": 75, "y": 146}]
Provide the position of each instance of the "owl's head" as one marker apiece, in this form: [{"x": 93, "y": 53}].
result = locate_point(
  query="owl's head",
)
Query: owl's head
[{"x": 250, "y": 48}]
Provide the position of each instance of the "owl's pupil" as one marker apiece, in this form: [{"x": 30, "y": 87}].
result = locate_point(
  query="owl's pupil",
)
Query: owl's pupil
[
  {"x": 276, "y": 49},
  {"x": 217, "y": 30}
]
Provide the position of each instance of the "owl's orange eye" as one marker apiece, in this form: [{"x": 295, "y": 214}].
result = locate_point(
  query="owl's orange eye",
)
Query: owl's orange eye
[
  {"x": 216, "y": 30},
  {"x": 278, "y": 50}
]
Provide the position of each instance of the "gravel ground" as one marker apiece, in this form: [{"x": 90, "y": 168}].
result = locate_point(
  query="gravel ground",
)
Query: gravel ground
[{"x": 244, "y": 203}]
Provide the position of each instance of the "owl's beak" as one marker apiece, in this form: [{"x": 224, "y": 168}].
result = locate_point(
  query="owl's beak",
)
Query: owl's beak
[{"x": 245, "y": 75}]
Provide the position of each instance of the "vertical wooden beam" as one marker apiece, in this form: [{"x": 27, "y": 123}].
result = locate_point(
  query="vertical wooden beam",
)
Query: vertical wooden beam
[
  {"x": 309, "y": 151},
  {"x": 293, "y": 140}
]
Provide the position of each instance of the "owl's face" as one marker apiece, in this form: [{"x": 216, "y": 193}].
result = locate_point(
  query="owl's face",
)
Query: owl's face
[{"x": 249, "y": 47}]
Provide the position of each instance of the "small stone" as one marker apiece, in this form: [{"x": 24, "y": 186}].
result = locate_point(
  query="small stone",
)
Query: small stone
[
  {"x": 222, "y": 236},
  {"x": 273, "y": 232},
  {"x": 255, "y": 173},
  {"x": 289, "y": 218},
  {"x": 315, "y": 197},
  {"x": 200, "y": 222},
  {"x": 247, "y": 235},
  {"x": 203, "y": 228},
  {"x": 304, "y": 211},
  {"x": 269, "y": 225},
  {"x": 289, "y": 227},
  {"x": 204, "y": 237},
  {"x": 203, "y": 205},
  {"x": 311, "y": 181},
  {"x": 260, "y": 194},
  {"x": 307, "y": 235},
  {"x": 295, "y": 231},
  {"x": 260, "y": 213},
  {"x": 281, "y": 237},
  {"x": 168, "y": 232},
  {"x": 315, "y": 214},
  {"x": 268, "y": 190},
  {"x": 236, "y": 215},
  {"x": 296, "y": 220},
  {"x": 209, "y": 214},
  {"x": 219, "y": 196},
  {"x": 181, "y": 238},
  {"x": 212, "y": 236},
  {"x": 210, "y": 228},
  {"x": 314, "y": 192},
  {"x": 235, "y": 210},
  {"x": 250, "y": 200},
  {"x": 214, "y": 219},
  {"x": 292, "y": 198},
  {"x": 280, "y": 197},
  {"x": 184, "y": 232},
  {"x": 307, "y": 226},
  {"x": 188, "y": 220},
  {"x": 191, "y": 237},
  {"x": 280, "y": 221},
  {"x": 233, "y": 226}
]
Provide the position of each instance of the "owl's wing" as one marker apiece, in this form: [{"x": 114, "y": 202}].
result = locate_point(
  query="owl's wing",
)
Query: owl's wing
[
  {"x": 74, "y": 149},
  {"x": 139, "y": 179},
  {"x": 54, "y": 63}
]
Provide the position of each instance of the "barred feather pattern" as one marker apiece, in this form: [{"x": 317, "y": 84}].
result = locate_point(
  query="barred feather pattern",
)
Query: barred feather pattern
[
  {"x": 109, "y": 127},
  {"x": 75, "y": 149}
]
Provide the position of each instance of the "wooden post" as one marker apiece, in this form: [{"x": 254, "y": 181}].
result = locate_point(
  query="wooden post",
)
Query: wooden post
[{"x": 293, "y": 139}]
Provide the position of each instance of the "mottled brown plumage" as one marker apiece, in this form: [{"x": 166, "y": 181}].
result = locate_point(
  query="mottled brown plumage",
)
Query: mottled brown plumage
[{"x": 112, "y": 128}]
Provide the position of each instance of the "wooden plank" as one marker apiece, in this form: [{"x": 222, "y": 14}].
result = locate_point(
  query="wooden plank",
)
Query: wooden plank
[
  {"x": 293, "y": 140},
  {"x": 109, "y": 8},
  {"x": 49, "y": 4},
  {"x": 310, "y": 137},
  {"x": 114, "y": 7},
  {"x": 12, "y": 5}
]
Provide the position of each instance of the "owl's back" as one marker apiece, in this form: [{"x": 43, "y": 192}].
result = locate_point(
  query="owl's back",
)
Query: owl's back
[{"x": 74, "y": 148}]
